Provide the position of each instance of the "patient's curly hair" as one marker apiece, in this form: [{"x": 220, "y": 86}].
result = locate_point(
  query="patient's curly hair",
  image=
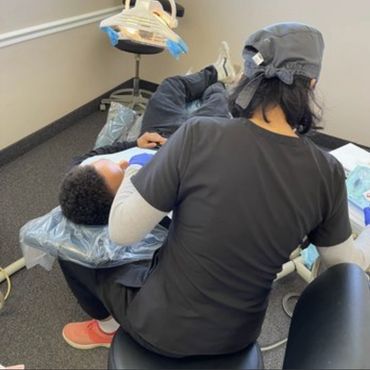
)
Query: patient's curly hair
[{"x": 84, "y": 197}]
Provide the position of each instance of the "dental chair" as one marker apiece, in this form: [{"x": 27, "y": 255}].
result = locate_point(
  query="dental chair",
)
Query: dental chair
[
  {"x": 136, "y": 97},
  {"x": 330, "y": 329}
]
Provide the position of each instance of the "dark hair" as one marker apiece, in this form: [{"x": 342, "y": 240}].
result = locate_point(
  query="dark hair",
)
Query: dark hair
[
  {"x": 297, "y": 102},
  {"x": 84, "y": 197}
]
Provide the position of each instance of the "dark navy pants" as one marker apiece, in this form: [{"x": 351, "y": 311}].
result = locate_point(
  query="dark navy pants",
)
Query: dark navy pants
[
  {"x": 105, "y": 292},
  {"x": 175, "y": 100}
]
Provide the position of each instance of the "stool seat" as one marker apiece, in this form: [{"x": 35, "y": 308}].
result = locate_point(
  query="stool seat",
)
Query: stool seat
[
  {"x": 136, "y": 48},
  {"x": 125, "y": 353}
]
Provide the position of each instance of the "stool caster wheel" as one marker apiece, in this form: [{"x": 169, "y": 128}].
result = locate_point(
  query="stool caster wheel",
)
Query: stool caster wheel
[{"x": 103, "y": 107}]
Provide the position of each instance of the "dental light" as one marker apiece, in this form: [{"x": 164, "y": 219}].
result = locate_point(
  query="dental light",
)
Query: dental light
[{"x": 146, "y": 23}]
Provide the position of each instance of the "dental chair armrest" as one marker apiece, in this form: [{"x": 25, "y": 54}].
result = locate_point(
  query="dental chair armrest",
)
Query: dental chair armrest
[{"x": 330, "y": 327}]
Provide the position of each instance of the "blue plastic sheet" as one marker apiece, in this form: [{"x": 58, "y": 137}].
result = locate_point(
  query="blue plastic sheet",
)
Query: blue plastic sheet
[
  {"x": 112, "y": 35},
  {"x": 310, "y": 255},
  {"x": 358, "y": 186},
  {"x": 176, "y": 48},
  {"x": 88, "y": 246}
]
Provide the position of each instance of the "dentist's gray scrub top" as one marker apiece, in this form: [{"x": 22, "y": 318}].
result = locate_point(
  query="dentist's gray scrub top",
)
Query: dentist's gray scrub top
[{"x": 243, "y": 199}]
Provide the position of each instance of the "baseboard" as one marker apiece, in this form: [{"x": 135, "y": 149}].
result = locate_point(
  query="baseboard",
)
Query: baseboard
[
  {"x": 21, "y": 147},
  {"x": 24, "y": 145}
]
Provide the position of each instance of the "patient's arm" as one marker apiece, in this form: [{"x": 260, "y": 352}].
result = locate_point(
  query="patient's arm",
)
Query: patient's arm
[
  {"x": 351, "y": 251},
  {"x": 131, "y": 216},
  {"x": 108, "y": 149},
  {"x": 147, "y": 140}
]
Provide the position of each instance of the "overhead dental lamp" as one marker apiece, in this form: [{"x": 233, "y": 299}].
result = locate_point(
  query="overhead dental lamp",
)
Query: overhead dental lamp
[{"x": 146, "y": 23}]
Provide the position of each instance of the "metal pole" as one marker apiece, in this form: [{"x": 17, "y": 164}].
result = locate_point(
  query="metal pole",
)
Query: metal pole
[{"x": 136, "y": 83}]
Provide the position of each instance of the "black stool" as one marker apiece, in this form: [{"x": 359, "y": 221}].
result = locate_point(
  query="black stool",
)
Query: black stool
[
  {"x": 330, "y": 329},
  {"x": 137, "y": 97},
  {"x": 125, "y": 353}
]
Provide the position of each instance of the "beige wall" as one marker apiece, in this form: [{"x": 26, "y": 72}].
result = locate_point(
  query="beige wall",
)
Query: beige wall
[
  {"x": 44, "y": 79},
  {"x": 345, "y": 79},
  {"x": 17, "y": 14}
]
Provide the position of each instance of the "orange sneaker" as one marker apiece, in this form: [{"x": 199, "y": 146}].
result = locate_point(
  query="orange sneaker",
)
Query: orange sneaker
[{"x": 86, "y": 335}]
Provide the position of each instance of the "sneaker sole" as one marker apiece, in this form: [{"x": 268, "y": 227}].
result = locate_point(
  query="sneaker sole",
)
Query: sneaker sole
[{"x": 84, "y": 346}]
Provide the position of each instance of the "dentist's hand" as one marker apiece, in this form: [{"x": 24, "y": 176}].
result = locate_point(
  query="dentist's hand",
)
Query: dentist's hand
[{"x": 141, "y": 159}]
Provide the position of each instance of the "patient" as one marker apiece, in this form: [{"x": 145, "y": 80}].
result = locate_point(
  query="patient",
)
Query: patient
[{"x": 87, "y": 192}]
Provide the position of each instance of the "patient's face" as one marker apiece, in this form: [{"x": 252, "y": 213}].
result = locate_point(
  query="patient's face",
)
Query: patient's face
[{"x": 113, "y": 173}]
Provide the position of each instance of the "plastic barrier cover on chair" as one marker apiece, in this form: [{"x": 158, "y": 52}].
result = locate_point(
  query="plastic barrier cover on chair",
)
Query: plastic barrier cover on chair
[
  {"x": 358, "y": 186},
  {"x": 88, "y": 246},
  {"x": 121, "y": 121}
]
